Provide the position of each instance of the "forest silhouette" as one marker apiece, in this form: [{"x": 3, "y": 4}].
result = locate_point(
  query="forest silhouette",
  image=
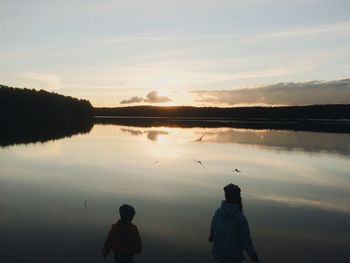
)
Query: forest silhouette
[
  {"x": 30, "y": 103},
  {"x": 15, "y": 102},
  {"x": 332, "y": 111},
  {"x": 30, "y": 116}
]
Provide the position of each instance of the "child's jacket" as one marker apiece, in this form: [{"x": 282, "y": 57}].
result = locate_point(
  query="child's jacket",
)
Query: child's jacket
[
  {"x": 231, "y": 234},
  {"x": 123, "y": 238}
]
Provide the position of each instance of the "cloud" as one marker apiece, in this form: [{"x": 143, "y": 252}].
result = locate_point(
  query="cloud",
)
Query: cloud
[
  {"x": 151, "y": 97},
  {"x": 311, "y": 30},
  {"x": 303, "y": 93},
  {"x": 291, "y": 32},
  {"x": 43, "y": 80},
  {"x": 134, "y": 99}
]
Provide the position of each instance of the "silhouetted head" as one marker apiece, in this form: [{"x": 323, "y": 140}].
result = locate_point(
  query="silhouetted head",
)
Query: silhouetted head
[
  {"x": 233, "y": 195},
  {"x": 127, "y": 213}
]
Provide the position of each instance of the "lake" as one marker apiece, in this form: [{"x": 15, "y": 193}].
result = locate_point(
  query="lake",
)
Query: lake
[{"x": 59, "y": 193}]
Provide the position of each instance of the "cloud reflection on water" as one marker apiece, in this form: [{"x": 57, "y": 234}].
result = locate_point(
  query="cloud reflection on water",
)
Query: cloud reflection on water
[
  {"x": 151, "y": 134},
  {"x": 304, "y": 202},
  {"x": 311, "y": 142},
  {"x": 284, "y": 140}
]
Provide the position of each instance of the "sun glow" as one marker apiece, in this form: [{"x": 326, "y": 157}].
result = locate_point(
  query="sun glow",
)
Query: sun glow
[
  {"x": 165, "y": 81},
  {"x": 162, "y": 139}
]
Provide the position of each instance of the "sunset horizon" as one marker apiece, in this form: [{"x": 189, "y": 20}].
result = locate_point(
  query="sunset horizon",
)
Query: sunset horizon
[
  {"x": 194, "y": 53},
  {"x": 175, "y": 131}
]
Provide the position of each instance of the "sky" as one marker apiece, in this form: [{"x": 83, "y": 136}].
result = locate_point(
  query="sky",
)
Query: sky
[{"x": 162, "y": 52}]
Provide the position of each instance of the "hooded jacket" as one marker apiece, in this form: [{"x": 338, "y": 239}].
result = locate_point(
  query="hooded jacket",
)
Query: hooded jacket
[
  {"x": 230, "y": 232},
  {"x": 123, "y": 238}
]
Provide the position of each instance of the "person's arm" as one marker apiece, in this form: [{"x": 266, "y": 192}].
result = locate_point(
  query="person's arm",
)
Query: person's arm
[
  {"x": 138, "y": 242},
  {"x": 245, "y": 239},
  {"x": 107, "y": 245},
  {"x": 211, "y": 234}
]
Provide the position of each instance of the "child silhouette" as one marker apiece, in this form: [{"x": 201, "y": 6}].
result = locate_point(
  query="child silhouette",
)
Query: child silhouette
[
  {"x": 230, "y": 231},
  {"x": 123, "y": 238}
]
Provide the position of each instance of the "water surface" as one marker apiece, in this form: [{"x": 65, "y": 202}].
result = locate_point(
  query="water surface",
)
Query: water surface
[{"x": 295, "y": 186}]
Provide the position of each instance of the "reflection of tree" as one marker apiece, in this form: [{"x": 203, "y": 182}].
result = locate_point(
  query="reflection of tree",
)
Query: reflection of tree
[
  {"x": 23, "y": 131},
  {"x": 296, "y": 125},
  {"x": 29, "y": 116}
]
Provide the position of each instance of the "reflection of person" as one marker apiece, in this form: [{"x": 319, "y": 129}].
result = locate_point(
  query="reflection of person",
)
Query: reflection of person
[
  {"x": 230, "y": 231},
  {"x": 123, "y": 238}
]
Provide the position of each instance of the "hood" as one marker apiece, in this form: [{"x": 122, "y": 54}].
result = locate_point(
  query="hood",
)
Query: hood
[{"x": 229, "y": 210}]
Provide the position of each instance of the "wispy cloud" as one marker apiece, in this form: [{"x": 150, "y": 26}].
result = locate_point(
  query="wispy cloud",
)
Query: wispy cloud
[
  {"x": 151, "y": 97},
  {"x": 303, "y": 93},
  {"x": 294, "y": 31},
  {"x": 43, "y": 80},
  {"x": 311, "y": 30}
]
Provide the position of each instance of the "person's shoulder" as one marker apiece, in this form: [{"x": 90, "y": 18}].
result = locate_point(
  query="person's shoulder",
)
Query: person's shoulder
[
  {"x": 133, "y": 226},
  {"x": 133, "y": 229},
  {"x": 114, "y": 226},
  {"x": 218, "y": 210}
]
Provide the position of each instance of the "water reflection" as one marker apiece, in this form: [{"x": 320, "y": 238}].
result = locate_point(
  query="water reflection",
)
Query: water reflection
[
  {"x": 24, "y": 131},
  {"x": 151, "y": 134},
  {"x": 293, "y": 199},
  {"x": 284, "y": 140},
  {"x": 334, "y": 126},
  {"x": 132, "y": 131},
  {"x": 271, "y": 139}
]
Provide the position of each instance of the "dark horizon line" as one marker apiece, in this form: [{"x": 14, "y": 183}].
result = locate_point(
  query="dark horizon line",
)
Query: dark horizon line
[
  {"x": 328, "y": 111},
  {"x": 221, "y": 107}
]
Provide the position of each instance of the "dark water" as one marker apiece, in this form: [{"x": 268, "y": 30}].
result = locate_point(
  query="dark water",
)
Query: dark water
[{"x": 295, "y": 186}]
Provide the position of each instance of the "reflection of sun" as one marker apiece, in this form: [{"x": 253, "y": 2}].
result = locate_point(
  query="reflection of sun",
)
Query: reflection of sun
[
  {"x": 168, "y": 144},
  {"x": 163, "y": 149},
  {"x": 162, "y": 139}
]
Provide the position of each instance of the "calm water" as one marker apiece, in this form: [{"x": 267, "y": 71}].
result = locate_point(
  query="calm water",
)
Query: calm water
[{"x": 295, "y": 186}]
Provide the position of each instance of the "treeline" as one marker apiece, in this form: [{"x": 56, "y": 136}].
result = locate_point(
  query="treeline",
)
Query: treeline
[
  {"x": 15, "y": 102},
  {"x": 333, "y": 111}
]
